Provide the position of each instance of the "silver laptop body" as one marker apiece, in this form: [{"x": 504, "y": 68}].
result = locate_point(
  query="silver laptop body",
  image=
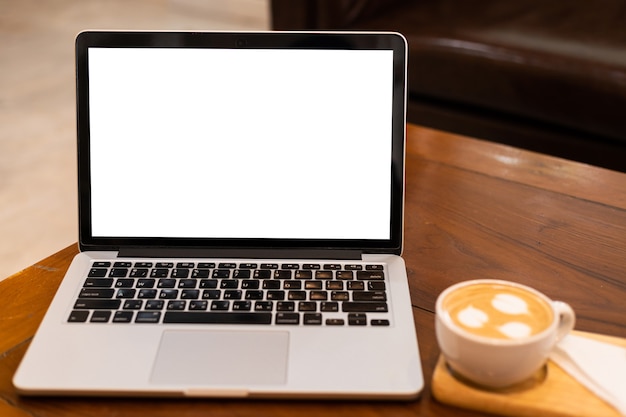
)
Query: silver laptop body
[{"x": 241, "y": 218}]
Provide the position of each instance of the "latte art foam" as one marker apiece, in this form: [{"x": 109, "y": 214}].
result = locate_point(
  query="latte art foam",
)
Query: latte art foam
[{"x": 498, "y": 311}]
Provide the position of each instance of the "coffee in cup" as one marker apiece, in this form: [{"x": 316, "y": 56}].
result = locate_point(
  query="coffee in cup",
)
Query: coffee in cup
[
  {"x": 498, "y": 333},
  {"x": 497, "y": 311}
]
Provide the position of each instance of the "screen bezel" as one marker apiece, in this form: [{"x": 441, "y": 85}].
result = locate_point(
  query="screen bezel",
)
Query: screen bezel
[{"x": 256, "y": 40}]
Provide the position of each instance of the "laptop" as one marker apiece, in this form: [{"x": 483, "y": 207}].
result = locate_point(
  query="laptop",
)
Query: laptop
[{"x": 240, "y": 221}]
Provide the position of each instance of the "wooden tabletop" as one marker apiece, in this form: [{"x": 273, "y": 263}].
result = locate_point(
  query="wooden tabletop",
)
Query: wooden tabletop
[{"x": 473, "y": 210}]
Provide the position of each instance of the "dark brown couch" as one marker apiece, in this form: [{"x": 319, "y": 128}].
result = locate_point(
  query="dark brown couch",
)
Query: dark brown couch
[{"x": 546, "y": 75}]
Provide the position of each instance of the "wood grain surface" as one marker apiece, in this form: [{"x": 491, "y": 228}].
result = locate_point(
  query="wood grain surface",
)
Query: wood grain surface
[
  {"x": 473, "y": 210},
  {"x": 552, "y": 392}
]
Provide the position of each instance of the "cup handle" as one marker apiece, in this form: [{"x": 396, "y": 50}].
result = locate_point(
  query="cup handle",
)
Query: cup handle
[{"x": 567, "y": 319}]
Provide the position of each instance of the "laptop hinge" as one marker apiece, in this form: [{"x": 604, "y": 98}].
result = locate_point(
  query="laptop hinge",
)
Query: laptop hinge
[{"x": 239, "y": 253}]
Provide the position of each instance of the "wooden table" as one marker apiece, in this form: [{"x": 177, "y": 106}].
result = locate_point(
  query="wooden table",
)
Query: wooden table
[{"x": 473, "y": 210}]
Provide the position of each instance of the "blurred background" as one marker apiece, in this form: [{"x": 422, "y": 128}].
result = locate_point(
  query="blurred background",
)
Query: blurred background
[{"x": 38, "y": 207}]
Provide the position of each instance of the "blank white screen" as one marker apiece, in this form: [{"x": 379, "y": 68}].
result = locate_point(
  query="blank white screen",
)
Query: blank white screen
[{"x": 240, "y": 143}]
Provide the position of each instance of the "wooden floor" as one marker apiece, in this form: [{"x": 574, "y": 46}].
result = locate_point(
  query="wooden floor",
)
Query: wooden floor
[{"x": 38, "y": 213}]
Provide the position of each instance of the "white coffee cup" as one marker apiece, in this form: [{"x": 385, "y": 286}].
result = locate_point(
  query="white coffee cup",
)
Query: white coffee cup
[{"x": 498, "y": 333}]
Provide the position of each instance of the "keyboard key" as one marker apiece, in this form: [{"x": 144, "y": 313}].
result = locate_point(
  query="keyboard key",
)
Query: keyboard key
[
  {"x": 166, "y": 283},
  {"x": 329, "y": 306},
  {"x": 101, "y": 264},
  {"x": 262, "y": 274},
  {"x": 89, "y": 304},
  {"x": 147, "y": 293},
  {"x": 159, "y": 273},
  {"x": 369, "y": 296},
  {"x": 356, "y": 285},
  {"x": 364, "y": 307},
  {"x": 208, "y": 283},
  {"x": 98, "y": 283},
  {"x": 323, "y": 274},
  {"x": 96, "y": 293},
  {"x": 118, "y": 272},
  {"x": 345, "y": 275},
  {"x": 248, "y": 265},
  {"x": 313, "y": 319},
  {"x": 339, "y": 295},
  {"x": 379, "y": 322},
  {"x": 242, "y": 306},
  {"x": 376, "y": 285},
  {"x": 221, "y": 273},
  {"x": 292, "y": 285},
  {"x": 311, "y": 266},
  {"x": 217, "y": 317},
  {"x": 287, "y": 318},
  {"x": 307, "y": 306},
  {"x": 318, "y": 295},
  {"x": 276, "y": 295},
  {"x": 241, "y": 273},
  {"x": 125, "y": 293},
  {"x": 285, "y": 306},
  {"x": 269, "y": 266},
  {"x": 282, "y": 274},
  {"x": 143, "y": 264},
  {"x": 296, "y": 295},
  {"x": 132, "y": 304},
  {"x": 304, "y": 274},
  {"x": 148, "y": 317},
  {"x": 250, "y": 284},
  {"x": 125, "y": 283},
  {"x": 145, "y": 283},
  {"x": 227, "y": 265},
  {"x": 97, "y": 273},
  {"x": 176, "y": 305},
  {"x": 138, "y": 272},
  {"x": 200, "y": 273},
  {"x": 206, "y": 265},
  {"x": 374, "y": 267},
  {"x": 187, "y": 265},
  {"x": 263, "y": 306},
  {"x": 220, "y": 305},
  {"x": 313, "y": 285},
  {"x": 357, "y": 319},
  {"x": 187, "y": 283},
  {"x": 229, "y": 283},
  {"x": 78, "y": 316},
  {"x": 211, "y": 294},
  {"x": 165, "y": 265},
  {"x": 332, "y": 267},
  {"x": 365, "y": 275},
  {"x": 123, "y": 317},
  {"x": 353, "y": 267},
  {"x": 233, "y": 294},
  {"x": 254, "y": 295},
  {"x": 290, "y": 266},
  {"x": 334, "y": 285},
  {"x": 271, "y": 285},
  {"x": 100, "y": 316},
  {"x": 168, "y": 294},
  {"x": 155, "y": 304},
  {"x": 180, "y": 273},
  {"x": 198, "y": 305},
  {"x": 335, "y": 322},
  {"x": 190, "y": 294},
  {"x": 122, "y": 264}
]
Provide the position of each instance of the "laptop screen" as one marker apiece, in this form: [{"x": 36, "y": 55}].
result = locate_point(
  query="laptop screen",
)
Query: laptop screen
[{"x": 227, "y": 143}]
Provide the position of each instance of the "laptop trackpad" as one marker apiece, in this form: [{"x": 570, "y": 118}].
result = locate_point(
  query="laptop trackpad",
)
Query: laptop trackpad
[{"x": 218, "y": 358}]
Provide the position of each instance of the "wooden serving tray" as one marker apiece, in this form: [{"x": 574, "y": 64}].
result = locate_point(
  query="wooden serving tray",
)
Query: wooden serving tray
[{"x": 550, "y": 393}]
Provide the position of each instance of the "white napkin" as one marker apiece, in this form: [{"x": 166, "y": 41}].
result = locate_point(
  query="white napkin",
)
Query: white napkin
[{"x": 599, "y": 366}]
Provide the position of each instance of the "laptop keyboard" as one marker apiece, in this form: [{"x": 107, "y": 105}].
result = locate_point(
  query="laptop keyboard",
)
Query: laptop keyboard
[{"x": 334, "y": 294}]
